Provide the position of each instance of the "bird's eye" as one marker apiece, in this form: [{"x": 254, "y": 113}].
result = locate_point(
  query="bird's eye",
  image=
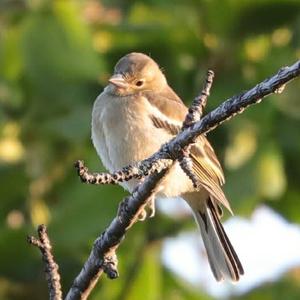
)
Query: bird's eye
[{"x": 139, "y": 83}]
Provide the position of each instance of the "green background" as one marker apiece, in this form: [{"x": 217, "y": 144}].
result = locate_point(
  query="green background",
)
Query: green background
[{"x": 56, "y": 57}]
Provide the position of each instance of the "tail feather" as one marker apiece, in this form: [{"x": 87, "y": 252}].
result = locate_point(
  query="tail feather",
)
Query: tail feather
[
  {"x": 222, "y": 258},
  {"x": 225, "y": 240}
]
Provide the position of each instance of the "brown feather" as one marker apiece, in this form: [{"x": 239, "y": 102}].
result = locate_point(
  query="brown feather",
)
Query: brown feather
[
  {"x": 159, "y": 123},
  {"x": 213, "y": 187},
  {"x": 205, "y": 163},
  {"x": 168, "y": 103}
]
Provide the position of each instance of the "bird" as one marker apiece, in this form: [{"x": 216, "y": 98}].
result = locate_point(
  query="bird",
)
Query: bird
[{"x": 135, "y": 114}]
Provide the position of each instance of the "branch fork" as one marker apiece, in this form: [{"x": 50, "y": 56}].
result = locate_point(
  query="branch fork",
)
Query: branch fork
[{"x": 51, "y": 267}]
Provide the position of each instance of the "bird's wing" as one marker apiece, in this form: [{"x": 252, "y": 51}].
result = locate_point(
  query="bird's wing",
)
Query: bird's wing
[
  {"x": 206, "y": 166},
  {"x": 208, "y": 170}
]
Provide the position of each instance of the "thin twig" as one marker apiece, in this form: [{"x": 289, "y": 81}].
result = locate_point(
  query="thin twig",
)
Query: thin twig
[
  {"x": 194, "y": 114},
  {"x": 138, "y": 171},
  {"x": 197, "y": 107},
  {"x": 51, "y": 267},
  {"x": 186, "y": 165}
]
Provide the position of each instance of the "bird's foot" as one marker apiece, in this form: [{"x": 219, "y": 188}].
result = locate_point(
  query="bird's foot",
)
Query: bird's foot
[
  {"x": 142, "y": 215},
  {"x": 151, "y": 207},
  {"x": 148, "y": 211}
]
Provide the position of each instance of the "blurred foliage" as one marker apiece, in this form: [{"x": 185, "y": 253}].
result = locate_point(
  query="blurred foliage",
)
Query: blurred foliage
[{"x": 55, "y": 58}]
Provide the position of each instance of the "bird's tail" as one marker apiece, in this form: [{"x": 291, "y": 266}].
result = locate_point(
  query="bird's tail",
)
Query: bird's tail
[{"x": 222, "y": 258}]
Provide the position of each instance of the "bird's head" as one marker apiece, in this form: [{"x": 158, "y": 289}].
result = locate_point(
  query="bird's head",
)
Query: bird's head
[{"x": 135, "y": 73}]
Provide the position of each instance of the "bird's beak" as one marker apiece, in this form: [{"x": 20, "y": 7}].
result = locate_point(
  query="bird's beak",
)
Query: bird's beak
[{"x": 118, "y": 81}]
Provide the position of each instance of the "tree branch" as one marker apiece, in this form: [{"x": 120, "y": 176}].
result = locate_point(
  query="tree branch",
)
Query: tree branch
[
  {"x": 105, "y": 246},
  {"x": 138, "y": 171},
  {"x": 199, "y": 103},
  {"x": 51, "y": 267},
  {"x": 234, "y": 105}
]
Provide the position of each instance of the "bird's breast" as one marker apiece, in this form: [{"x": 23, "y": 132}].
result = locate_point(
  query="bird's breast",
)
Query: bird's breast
[{"x": 123, "y": 132}]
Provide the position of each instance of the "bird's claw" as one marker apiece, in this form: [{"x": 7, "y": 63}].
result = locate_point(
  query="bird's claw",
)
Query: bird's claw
[
  {"x": 143, "y": 214},
  {"x": 151, "y": 207}
]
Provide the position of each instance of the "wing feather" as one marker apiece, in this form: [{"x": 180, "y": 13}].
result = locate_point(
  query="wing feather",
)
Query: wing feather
[
  {"x": 206, "y": 165},
  {"x": 211, "y": 185}
]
